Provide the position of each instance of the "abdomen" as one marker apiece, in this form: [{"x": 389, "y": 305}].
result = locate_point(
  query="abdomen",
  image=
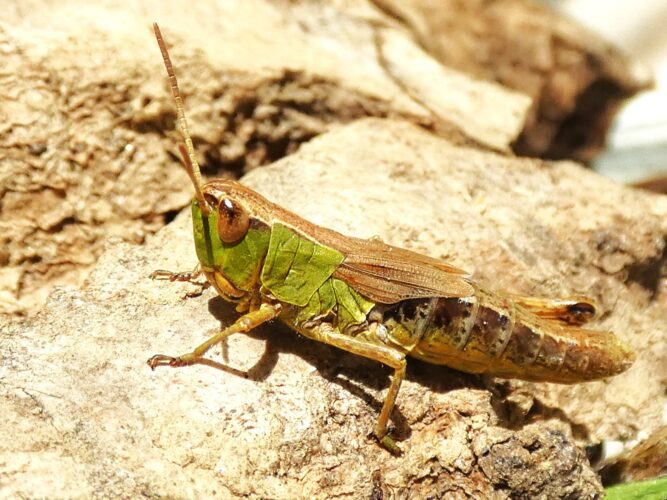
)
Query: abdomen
[{"x": 490, "y": 334}]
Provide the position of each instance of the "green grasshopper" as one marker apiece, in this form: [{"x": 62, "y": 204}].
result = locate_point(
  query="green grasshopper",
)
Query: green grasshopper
[{"x": 372, "y": 299}]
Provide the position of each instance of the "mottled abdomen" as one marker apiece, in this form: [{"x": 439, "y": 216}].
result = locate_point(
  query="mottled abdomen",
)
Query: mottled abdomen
[{"x": 490, "y": 334}]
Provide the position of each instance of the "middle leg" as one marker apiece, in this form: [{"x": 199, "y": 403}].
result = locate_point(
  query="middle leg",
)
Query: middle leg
[{"x": 393, "y": 358}]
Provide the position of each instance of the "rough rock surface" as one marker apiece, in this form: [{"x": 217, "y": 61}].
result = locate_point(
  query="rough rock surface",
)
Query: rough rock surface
[
  {"x": 84, "y": 416},
  {"x": 84, "y": 103}
]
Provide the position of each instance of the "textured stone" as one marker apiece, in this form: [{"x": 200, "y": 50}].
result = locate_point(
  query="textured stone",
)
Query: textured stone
[
  {"x": 80, "y": 405},
  {"x": 84, "y": 102}
]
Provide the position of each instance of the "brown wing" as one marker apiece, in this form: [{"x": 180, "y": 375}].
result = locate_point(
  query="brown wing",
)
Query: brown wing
[{"x": 387, "y": 274}]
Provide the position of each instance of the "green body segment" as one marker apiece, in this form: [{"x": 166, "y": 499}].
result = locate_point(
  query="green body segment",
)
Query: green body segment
[
  {"x": 296, "y": 270},
  {"x": 295, "y": 267},
  {"x": 335, "y": 295}
]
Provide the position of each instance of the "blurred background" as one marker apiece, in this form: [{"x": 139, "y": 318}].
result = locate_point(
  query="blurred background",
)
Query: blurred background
[{"x": 637, "y": 144}]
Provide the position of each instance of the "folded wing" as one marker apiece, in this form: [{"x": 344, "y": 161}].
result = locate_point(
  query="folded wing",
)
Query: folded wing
[{"x": 388, "y": 274}]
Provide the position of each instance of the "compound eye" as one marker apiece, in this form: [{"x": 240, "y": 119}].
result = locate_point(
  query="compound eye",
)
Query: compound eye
[
  {"x": 233, "y": 221},
  {"x": 581, "y": 313}
]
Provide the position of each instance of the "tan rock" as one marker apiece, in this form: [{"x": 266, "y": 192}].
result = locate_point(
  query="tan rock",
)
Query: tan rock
[
  {"x": 83, "y": 105},
  {"x": 80, "y": 404}
]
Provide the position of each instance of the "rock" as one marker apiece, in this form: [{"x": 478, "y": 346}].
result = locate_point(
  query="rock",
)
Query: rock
[
  {"x": 85, "y": 103},
  {"x": 80, "y": 405},
  {"x": 576, "y": 80},
  {"x": 647, "y": 460}
]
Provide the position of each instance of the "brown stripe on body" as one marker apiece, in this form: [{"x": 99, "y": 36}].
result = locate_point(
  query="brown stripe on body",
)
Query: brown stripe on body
[
  {"x": 492, "y": 330},
  {"x": 524, "y": 346},
  {"x": 447, "y": 331},
  {"x": 593, "y": 355},
  {"x": 456, "y": 317},
  {"x": 468, "y": 334},
  {"x": 500, "y": 339},
  {"x": 566, "y": 354},
  {"x": 552, "y": 353}
]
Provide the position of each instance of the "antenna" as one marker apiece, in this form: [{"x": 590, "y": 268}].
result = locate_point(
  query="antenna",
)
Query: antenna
[{"x": 187, "y": 151}]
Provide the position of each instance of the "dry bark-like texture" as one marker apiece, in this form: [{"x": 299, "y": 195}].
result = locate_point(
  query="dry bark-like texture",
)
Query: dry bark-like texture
[
  {"x": 577, "y": 81},
  {"x": 84, "y": 102},
  {"x": 647, "y": 460},
  {"x": 85, "y": 416}
]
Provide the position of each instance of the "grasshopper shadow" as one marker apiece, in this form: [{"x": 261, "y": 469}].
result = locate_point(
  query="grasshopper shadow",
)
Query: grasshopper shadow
[
  {"x": 353, "y": 373},
  {"x": 517, "y": 407},
  {"x": 357, "y": 375}
]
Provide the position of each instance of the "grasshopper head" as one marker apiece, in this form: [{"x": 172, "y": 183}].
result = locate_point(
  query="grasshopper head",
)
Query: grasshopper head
[{"x": 230, "y": 239}]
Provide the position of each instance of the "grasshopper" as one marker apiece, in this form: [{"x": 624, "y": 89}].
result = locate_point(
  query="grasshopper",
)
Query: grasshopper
[{"x": 372, "y": 299}]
